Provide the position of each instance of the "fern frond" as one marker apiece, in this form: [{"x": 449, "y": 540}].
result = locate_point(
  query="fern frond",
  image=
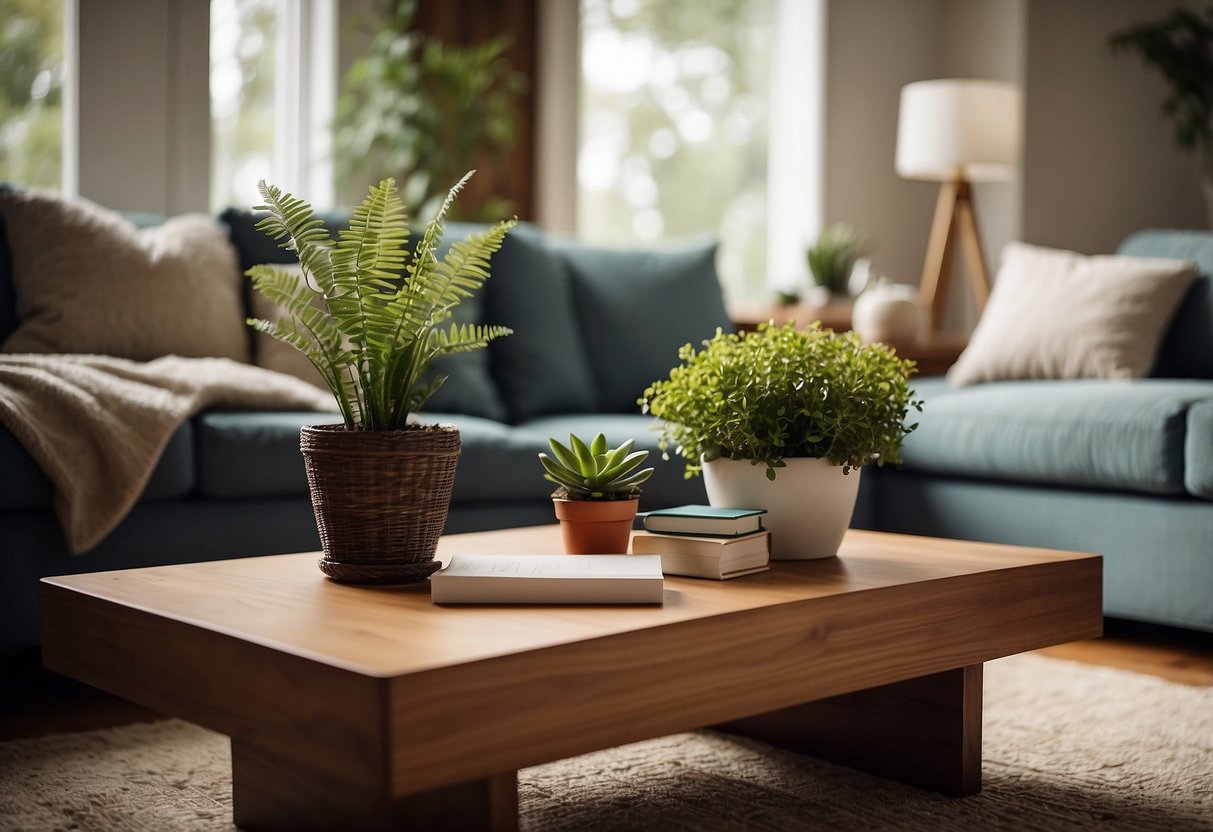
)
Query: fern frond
[
  {"x": 424, "y": 254},
  {"x": 466, "y": 337},
  {"x": 294, "y": 225}
]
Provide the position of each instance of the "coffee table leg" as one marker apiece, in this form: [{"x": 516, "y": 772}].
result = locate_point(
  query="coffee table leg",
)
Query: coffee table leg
[
  {"x": 272, "y": 794},
  {"x": 924, "y": 731}
]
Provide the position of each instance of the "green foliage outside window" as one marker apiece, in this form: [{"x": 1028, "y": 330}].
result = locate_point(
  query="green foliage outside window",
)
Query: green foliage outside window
[
  {"x": 425, "y": 111},
  {"x": 1180, "y": 47},
  {"x": 31, "y": 92}
]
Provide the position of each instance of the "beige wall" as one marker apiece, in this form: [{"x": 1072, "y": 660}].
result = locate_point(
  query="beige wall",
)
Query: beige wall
[
  {"x": 873, "y": 48},
  {"x": 144, "y": 128},
  {"x": 1100, "y": 161}
]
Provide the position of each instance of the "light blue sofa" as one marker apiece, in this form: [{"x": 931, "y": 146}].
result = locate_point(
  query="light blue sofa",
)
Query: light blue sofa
[{"x": 1124, "y": 469}]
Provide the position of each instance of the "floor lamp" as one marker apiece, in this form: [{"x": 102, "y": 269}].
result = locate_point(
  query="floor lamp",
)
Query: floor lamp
[{"x": 957, "y": 131}]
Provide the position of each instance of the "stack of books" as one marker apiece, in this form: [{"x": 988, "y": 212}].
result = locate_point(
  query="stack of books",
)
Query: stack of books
[{"x": 706, "y": 541}]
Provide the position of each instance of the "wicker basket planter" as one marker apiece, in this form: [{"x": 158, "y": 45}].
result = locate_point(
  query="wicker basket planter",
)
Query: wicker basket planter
[{"x": 381, "y": 498}]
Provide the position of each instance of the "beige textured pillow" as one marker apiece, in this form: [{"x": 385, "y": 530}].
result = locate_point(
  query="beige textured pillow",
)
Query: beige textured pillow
[
  {"x": 271, "y": 353},
  {"x": 1058, "y": 314},
  {"x": 88, "y": 281}
]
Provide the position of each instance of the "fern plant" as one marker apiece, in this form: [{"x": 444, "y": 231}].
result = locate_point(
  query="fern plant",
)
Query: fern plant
[
  {"x": 593, "y": 471},
  {"x": 369, "y": 314}
]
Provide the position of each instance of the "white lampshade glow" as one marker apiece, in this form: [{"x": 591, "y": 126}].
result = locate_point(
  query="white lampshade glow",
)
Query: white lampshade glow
[{"x": 959, "y": 129}]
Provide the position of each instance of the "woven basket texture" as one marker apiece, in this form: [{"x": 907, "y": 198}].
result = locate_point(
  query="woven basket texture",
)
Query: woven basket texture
[{"x": 380, "y": 498}]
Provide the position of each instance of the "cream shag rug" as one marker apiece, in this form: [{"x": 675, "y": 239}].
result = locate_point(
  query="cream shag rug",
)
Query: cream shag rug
[{"x": 1067, "y": 746}]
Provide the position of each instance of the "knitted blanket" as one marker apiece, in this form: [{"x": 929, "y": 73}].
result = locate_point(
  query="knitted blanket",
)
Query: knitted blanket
[{"x": 97, "y": 425}]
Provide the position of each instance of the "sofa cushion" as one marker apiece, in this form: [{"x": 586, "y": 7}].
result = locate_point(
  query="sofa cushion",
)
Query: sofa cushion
[
  {"x": 667, "y": 487},
  {"x": 543, "y": 367},
  {"x": 257, "y": 455},
  {"x": 635, "y": 309},
  {"x": 24, "y": 486},
  {"x": 469, "y": 387},
  {"x": 1198, "y": 451},
  {"x": 1128, "y": 436},
  {"x": 1187, "y": 349},
  {"x": 1061, "y": 315},
  {"x": 87, "y": 280},
  {"x": 253, "y": 453}
]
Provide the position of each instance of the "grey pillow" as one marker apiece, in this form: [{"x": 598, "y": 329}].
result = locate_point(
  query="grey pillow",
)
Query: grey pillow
[{"x": 635, "y": 309}]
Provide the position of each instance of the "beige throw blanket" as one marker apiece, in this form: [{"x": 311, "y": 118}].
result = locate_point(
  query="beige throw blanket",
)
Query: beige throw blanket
[{"x": 97, "y": 425}]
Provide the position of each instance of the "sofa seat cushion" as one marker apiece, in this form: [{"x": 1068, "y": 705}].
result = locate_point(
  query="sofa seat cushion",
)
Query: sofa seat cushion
[
  {"x": 1198, "y": 451},
  {"x": 257, "y": 455},
  {"x": 24, "y": 486},
  {"x": 1113, "y": 435},
  {"x": 667, "y": 487}
]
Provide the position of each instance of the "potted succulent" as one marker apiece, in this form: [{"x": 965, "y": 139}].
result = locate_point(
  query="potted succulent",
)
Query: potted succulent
[
  {"x": 784, "y": 419},
  {"x": 371, "y": 315},
  {"x": 598, "y": 492}
]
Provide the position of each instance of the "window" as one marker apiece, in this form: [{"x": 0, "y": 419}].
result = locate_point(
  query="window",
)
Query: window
[
  {"x": 34, "y": 75},
  {"x": 690, "y": 123},
  {"x": 273, "y": 88}
]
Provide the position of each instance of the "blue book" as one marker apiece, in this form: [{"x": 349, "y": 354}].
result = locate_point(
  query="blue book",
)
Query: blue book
[{"x": 705, "y": 520}]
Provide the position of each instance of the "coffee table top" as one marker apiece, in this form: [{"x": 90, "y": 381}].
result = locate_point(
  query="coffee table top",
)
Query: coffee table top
[
  {"x": 283, "y": 602},
  {"x": 381, "y": 686}
]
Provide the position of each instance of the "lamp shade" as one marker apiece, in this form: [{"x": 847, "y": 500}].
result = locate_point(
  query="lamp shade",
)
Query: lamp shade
[{"x": 957, "y": 127}]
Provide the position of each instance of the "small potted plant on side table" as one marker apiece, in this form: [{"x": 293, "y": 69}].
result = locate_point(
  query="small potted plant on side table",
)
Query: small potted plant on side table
[
  {"x": 598, "y": 492},
  {"x": 783, "y": 419}
]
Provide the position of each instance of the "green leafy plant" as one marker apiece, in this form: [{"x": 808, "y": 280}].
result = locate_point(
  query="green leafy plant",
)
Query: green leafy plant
[
  {"x": 833, "y": 256},
  {"x": 427, "y": 110},
  {"x": 369, "y": 314},
  {"x": 594, "y": 472},
  {"x": 782, "y": 392},
  {"x": 1180, "y": 47}
]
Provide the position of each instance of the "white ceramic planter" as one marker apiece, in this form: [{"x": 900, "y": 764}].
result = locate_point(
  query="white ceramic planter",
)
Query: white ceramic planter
[{"x": 809, "y": 504}]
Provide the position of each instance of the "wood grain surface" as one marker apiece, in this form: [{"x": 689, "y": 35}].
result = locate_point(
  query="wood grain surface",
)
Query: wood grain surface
[{"x": 379, "y": 685}]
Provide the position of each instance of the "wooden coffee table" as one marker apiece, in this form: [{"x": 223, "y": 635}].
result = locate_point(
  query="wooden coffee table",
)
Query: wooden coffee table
[{"x": 365, "y": 708}]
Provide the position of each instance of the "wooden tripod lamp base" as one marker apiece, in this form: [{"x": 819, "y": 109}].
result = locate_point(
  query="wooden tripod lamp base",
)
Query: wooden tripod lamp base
[{"x": 953, "y": 213}]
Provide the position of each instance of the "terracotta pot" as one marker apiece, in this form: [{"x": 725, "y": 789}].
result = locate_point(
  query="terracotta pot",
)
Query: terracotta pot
[
  {"x": 809, "y": 503},
  {"x": 380, "y": 498},
  {"x": 596, "y": 527}
]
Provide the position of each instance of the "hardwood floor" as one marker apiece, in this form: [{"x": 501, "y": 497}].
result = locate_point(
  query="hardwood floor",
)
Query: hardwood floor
[
  {"x": 1182, "y": 656},
  {"x": 35, "y": 702}
]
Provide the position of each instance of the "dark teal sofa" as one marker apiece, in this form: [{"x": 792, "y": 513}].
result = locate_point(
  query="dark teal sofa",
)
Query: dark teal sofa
[
  {"x": 1124, "y": 469},
  {"x": 593, "y": 329}
]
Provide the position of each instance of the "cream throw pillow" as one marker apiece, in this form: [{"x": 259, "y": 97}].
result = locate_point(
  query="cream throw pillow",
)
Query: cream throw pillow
[
  {"x": 272, "y": 354},
  {"x": 1059, "y": 315},
  {"x": 88, "y": 281}
]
